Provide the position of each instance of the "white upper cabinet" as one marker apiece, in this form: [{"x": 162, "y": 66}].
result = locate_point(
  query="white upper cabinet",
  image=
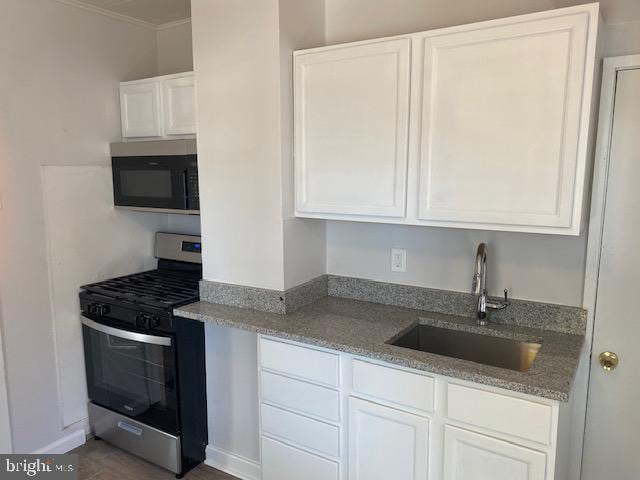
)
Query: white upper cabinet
[
  {"x": 500, "y": 116},
  {"x": 352, "y": 119},
  {"x": 501, "y": 137},
  {"x": 158, "y": 107},
  {"x": 178, "y": 99},
  {"x": 140, "y": 105}
]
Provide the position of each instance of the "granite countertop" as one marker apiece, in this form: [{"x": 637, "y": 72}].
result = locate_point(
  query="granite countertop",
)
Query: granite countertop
[{"x": 362, "y": 328}]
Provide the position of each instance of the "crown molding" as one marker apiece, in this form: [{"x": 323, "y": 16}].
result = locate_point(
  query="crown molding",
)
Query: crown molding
[
  {"x": 175, "y": 23},
  {"x": 123, "y": 18}
]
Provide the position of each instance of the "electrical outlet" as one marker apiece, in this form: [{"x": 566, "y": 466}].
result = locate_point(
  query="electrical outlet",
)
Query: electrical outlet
[{"x": 398, "y": 260}]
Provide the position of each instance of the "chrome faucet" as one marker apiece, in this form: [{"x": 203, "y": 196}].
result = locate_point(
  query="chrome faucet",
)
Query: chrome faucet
[{"x": 479, "y": 288}]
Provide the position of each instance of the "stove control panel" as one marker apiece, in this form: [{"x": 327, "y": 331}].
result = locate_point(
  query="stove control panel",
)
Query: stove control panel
[
  {"x": 147, "y": 321},
  {"x": 98, "y": 309},
  {"x": 123, "y": 314}
]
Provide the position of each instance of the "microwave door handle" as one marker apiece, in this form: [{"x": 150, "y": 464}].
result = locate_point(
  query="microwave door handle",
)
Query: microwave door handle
[
  {"x": 126, "y": 334},
  {"x": 185, "y": 185}
]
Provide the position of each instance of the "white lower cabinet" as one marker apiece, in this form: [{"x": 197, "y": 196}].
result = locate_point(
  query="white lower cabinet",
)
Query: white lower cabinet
[
  {"x": 386, "y": 443},
  {"x": 362, "y": 419},
  {"x": 282, "y": 462},
  {"x": 472, "y": 456}
]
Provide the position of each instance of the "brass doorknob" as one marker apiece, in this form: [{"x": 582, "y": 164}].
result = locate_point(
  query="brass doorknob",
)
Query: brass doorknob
[{"x": 608, "y": 360}]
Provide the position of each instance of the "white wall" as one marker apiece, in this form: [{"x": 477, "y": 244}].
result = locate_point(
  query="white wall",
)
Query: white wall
[
  {"x": 236, "y": 63},
  {"x": 304, "y": 242},
  {"x": 175, "y": 53},
  {"x": 622, "y": 39},
  {"x": 232, "y": 392},
  {"x": 242, "y": 63},
  {"x": 243, "y": 67},
  {"x": 58, "y": 101},
  {"x": 534, "y": 267}
]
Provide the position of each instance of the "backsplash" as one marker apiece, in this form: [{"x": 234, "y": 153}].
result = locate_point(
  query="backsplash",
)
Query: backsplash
[{"x": 559, "y": 318}]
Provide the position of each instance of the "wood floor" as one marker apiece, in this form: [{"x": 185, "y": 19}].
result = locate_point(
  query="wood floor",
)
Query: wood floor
[{"x": 100, "y": 461}]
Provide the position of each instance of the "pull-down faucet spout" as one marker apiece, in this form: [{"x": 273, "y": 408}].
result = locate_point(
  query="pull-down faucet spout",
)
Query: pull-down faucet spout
[{"x": 479, "y": 288}]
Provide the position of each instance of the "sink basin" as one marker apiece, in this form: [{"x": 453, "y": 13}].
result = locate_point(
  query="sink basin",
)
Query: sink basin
[{"x": 485, "y": 349}]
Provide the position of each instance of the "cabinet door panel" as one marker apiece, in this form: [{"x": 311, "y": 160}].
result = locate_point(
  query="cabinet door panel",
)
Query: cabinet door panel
[
  {"x": 385, "y": 443},
  {"x": 351, "y": 129},
  {"x": 471, "y": 456},
  {"x": 501, "y": 124},
  {"x": 179, "y": 105},
  {"x": 140, "y": 109}
]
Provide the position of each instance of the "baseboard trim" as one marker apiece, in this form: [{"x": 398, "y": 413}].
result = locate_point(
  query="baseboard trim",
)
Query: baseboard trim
[
  {"x": 235, "y": 465},
  {"x": 65, "y": 444}
]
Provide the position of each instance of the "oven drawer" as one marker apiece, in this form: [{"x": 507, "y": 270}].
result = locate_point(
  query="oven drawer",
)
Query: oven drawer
[{"x": 147, "y": 442}]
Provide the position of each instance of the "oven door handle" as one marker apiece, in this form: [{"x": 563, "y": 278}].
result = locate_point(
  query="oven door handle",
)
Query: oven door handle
[{"x": 126, "y": 334}]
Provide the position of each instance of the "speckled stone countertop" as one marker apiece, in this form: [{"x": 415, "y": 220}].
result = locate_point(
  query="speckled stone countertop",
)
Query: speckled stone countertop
[{"x": 363, "y": 328}]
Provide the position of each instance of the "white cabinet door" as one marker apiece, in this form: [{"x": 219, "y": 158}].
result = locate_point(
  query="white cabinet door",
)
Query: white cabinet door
[
  {"x": 351, "y": 129},
  {"x": 503, "y": 131},
  {"x": 140, "y": 109},
  {"x": 178, "y": 99},
  {"x": 471, "y": 456},
  {"x": 385, "y": 443}
]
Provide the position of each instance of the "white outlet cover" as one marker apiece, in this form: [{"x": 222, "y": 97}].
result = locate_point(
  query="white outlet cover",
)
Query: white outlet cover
[{"x": 398, "y": 260}]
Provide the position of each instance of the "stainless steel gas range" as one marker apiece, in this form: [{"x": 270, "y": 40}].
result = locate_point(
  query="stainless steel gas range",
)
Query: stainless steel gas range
[{"x": 146, "y": 367}]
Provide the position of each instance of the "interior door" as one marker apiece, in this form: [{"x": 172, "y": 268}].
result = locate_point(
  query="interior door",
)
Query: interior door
[{"x": 613, "y": 421}]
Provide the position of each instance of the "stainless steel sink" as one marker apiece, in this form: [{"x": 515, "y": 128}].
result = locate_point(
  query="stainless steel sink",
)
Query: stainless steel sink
[{"x": 485, "y": 349}]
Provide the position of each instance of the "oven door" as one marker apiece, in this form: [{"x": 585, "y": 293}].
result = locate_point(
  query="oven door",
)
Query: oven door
[
  {"x": 150, "y": 182},
  {"x": 132, "y": 373}
]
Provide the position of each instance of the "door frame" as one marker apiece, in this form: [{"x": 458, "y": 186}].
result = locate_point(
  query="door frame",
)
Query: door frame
[
  {"x": 6, "y": 445},
  {"x": 610, "y": 68}
]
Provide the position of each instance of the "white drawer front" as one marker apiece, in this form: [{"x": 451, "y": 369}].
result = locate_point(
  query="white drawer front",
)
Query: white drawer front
[
  {"x": 281, "y": 462},
  {"x": 393, "y": 385},
  {"x": 307, "y": 363},
  {"x": 303, "y": 431},
  {"x": 301, "y": 396},
  {"x": 501, "y": 413}
]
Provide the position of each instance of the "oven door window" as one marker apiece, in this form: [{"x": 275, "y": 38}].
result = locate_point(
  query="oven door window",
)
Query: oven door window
[
  {"x": 152, "y": 182},
  {"x": 132, "y": 377}
]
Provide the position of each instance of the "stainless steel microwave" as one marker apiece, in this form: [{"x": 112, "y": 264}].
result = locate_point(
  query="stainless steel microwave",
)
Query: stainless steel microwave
[{"x": 159, "y": 176}]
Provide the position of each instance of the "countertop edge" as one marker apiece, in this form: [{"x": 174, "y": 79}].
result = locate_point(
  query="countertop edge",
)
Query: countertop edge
[{"x": 549, "y": 394}]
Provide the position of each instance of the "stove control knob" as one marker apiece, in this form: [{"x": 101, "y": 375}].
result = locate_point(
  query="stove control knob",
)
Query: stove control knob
[
  {"x": 154, "y": 322},
  {"x": 142, "y": 320},
  {"x": 102, "y": 310},
  {"x": 91, "y": 308}
]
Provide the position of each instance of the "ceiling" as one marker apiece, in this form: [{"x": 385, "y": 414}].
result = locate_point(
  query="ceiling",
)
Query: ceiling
[
  {"x": 159, "y": 12},
  {"x": 155, "y": 12}
]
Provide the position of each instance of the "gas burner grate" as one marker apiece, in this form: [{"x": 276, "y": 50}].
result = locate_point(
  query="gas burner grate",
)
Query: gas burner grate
[{"x": 157, "y": 288}]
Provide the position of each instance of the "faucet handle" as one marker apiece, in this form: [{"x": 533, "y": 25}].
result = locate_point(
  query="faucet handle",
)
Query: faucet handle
[{"x": 499, "y": 305}]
